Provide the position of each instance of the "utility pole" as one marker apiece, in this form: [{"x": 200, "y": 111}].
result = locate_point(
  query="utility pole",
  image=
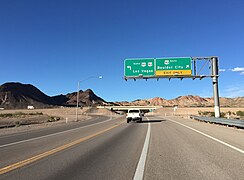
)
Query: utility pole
[
  {"x": 215, "y": 75},
  {"x": 77, "y": 100}
]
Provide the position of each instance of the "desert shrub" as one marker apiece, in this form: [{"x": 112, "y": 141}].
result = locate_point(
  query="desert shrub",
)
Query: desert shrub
[
  {"x": 240, "y": 113},
  {"x": 222, "y": 114},
  {"x": 17, "y": 123},
  {"x": 36, "y": 113},
  {"x": 212, "y": 114},
  {"x": 53, "y": 119},
  {"x": 19, "y": 114},
  {"x": 229, "y": 112},
  {"x": 206, "y": 113},
  {"x": 6, "y": 115}
]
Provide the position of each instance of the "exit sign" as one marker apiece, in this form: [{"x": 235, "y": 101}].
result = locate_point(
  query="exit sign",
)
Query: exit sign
[
  {"x": 139, "y": 67},
  {"x": 157, "y": 67}
]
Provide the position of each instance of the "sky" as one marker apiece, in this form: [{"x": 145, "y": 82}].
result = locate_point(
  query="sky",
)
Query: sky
[{"x": 53, "y": 44}]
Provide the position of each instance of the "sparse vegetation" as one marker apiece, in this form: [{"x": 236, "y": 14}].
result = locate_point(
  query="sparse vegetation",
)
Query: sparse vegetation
[
  {"x": 206, "y": 113},
  {"x": 222, "y": 114},
  {"x": 19, "y": 115},
  {"x": 20, "y": 119},
  {"x": 234, "y": 115},
  {"x": 210, "y": 113},
  {"x": 240, "y": 113},
  {"x": 17, "y": 123},
  {"x": 53, "y": 119}
]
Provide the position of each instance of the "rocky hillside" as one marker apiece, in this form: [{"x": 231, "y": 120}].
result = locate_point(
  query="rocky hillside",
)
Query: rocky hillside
[
  {"x": 87, "y": 98},
  {"x": 18, "y": 96},
  {"x": 186, "y": 101}
]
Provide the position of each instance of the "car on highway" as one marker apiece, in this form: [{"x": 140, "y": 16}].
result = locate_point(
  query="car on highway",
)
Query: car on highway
[{"x": 134, "y": 115}]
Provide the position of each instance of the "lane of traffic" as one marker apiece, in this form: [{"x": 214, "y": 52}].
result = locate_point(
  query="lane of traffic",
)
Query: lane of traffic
[
  {"x": 23, "y": 136},
  {"x": 25, "y": 150},
  {"x": 112, "y": 155},
  {"x": 228, "y": 135},
  {"x": 177, "y": 152}
]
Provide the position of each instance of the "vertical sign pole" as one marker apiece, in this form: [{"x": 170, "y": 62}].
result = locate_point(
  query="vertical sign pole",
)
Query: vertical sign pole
[
  {"x": 195, "y": 68},
  {"x": 215, "y": 73},
  {"x": 77, "y": 100}
]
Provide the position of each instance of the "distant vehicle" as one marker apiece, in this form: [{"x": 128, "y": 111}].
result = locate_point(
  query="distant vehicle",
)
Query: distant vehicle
[
  {"x": 133, "y": 115},
  {"x": 30, "y": 107}
]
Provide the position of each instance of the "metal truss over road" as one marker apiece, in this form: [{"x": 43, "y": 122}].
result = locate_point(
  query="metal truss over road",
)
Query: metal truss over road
[{"x": 125, "y": 108}]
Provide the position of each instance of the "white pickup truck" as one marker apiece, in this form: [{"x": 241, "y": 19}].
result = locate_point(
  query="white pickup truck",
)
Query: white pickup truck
[{"x": 133, "y": 115}]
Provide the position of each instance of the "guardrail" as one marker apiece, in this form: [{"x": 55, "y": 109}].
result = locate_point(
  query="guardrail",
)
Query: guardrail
[{"x": 222, "y": 121}]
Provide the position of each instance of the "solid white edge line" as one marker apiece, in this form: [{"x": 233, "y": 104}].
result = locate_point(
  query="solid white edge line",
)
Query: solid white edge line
[
  {"x": 215, "y": 139},
  {"x": 40, "y": 137},
  {"x": 142, "y": 162}
]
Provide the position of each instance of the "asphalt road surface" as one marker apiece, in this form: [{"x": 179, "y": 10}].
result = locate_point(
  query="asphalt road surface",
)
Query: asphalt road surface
[{"x": 109, "y": 148}]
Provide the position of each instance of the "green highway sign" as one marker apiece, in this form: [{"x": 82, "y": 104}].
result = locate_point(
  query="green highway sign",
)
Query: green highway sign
[
  {"x": 139, "y": 67},
  {"x": 159, "y": 67},
  {"x": 173, "y": 66}
]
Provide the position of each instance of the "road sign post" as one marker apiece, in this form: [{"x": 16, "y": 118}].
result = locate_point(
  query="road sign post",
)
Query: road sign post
[{"x": 215, "y": 86}]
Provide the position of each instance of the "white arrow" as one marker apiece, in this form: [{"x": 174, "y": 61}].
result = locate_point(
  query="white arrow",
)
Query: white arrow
[{"x": 129, "y": 67}]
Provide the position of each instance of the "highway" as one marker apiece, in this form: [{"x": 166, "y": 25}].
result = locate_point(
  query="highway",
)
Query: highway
[{"x": 109, "y": 148}]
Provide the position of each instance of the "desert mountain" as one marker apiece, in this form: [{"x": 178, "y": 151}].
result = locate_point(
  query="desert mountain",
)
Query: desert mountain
[
  {"x": 186, "y": 101},
  {"x": 87, "y": 98},
  {"x": 17, "y": 96}
]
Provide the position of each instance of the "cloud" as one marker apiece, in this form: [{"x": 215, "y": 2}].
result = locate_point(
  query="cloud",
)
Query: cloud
[
  {"x": 238, "y": 69},
  {"x": 233, "y": 91},
  {"x": 222, "y": 70}
]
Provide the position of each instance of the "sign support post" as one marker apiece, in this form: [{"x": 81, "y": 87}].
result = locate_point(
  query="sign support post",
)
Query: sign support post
[{"x": 215, "y": 86}]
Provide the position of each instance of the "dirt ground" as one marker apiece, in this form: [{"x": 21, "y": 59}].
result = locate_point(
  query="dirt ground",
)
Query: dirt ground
[
  {"x": 169, "y": 111},
  {"x": 67, "y": 115}
]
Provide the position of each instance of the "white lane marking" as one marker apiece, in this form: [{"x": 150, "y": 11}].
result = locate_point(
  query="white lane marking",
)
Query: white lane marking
[
  {"x": 142, "y": 162},
  {"x": 215, "y": 139},
  {"x": 40, "y": 137}
]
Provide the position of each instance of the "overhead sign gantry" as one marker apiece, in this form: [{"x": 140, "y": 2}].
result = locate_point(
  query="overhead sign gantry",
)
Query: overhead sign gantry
[
  {"x": 150, "y": 67},
  {"x": 174, "y": 67}
]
